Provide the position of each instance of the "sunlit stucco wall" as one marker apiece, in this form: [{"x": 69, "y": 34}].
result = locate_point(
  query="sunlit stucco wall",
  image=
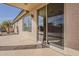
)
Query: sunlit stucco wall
[{"x": 72, "y": 26}]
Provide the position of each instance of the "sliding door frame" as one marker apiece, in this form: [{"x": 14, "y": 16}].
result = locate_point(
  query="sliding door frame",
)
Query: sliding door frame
[
  {"x": 44, "y": 23},
  {"x": 47, "y": 43}
]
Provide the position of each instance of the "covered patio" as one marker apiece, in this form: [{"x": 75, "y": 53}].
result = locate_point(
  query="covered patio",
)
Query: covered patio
[{"x": 25, "y": 40}]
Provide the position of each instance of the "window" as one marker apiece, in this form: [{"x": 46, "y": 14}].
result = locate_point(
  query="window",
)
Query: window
[{"x": 27, "y": 23}]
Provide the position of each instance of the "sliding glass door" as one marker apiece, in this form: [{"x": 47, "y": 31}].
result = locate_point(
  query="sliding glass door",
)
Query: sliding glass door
[
  {"x": 41, "y": 25},
  {"x": 51, "y": 24},
  {"x": 55, "y": 24}
]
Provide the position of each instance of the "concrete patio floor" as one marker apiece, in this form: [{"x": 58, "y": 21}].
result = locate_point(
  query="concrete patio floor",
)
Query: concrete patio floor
[
  {"x": 31, "y": 52},
  {"x": 28, "y": 50}
]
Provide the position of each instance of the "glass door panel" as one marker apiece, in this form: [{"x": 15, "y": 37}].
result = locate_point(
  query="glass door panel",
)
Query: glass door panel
[
  {"x": 55, "y": 17},
  {"x": 42, "y": 25}
]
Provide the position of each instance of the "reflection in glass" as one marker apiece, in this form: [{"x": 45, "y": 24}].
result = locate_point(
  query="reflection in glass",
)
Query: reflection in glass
[
  {"x": 56, "y": 24},
  {"x": 42, "y": 24},
  {"x": 27, "y": 23}
]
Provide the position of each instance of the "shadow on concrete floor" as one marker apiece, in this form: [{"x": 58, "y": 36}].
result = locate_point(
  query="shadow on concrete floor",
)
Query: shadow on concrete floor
[{"x": 20, "y": 47}]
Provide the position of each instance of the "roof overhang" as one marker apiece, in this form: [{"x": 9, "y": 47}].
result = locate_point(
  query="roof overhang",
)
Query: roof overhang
[
  {"x": 26, "y": 6},
  {"x": 19, "y": 16}
]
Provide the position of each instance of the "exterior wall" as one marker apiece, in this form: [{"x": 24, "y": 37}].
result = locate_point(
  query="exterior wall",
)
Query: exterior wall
[
  {"x": 28, "y": 36},
  {"x": 72, "y": 26}
]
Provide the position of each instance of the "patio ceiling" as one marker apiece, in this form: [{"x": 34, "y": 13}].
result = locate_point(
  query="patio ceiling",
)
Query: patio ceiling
[{"x": 26, "y": 6}]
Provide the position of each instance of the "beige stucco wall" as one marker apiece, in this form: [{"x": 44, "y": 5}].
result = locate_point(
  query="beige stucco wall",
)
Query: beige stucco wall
[
  {"x": 72, "y": 26},
  {"x": 29, "y": 36}
]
